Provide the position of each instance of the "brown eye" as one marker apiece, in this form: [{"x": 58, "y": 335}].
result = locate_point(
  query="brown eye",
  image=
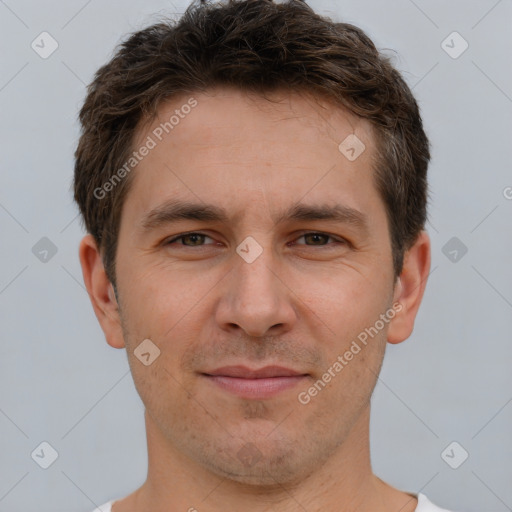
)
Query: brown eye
[
  {"x": 195, "y": 239},
  {"x": 318, "y": 239}
]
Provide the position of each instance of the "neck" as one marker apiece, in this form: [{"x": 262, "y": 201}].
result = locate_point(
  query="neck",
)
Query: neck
[{"x": 344, "y": 483}]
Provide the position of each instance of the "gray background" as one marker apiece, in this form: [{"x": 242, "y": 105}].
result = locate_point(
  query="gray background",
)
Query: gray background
[{"x": 451, "y": 381}]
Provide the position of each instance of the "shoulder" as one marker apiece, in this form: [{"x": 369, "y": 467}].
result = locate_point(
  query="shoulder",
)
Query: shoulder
[
  {"x": 425, "y": 505},
  {"x": 106, "y": 507}
]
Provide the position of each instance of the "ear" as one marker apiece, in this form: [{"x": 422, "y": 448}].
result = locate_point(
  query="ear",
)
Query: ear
[
  {"x": 101, "y": 292},
  {"x": 409, "y": 289}
]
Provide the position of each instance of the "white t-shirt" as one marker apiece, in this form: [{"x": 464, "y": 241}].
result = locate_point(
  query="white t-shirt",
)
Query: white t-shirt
[{"x": 424, "y": 505}]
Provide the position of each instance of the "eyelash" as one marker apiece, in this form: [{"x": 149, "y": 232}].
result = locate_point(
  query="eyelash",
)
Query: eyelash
[{"x": 183, "y": 235}]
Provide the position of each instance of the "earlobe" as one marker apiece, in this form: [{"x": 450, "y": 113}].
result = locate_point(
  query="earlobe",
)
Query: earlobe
[
  {"x": 409, "y": 289},
  {"x": 100, "y": 291}
]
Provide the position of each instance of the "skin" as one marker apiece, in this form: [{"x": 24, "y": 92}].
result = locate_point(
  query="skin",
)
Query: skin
[{"x": 299, "y": 304}]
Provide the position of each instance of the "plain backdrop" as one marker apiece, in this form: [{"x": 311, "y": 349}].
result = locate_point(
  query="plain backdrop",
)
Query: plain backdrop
[{"x": 60, "y": 383}]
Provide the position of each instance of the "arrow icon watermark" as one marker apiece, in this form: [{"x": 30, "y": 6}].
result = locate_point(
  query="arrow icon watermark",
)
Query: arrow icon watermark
[
  {"x": 147, "y": 352},
  {"x": 351, "y": 147}
]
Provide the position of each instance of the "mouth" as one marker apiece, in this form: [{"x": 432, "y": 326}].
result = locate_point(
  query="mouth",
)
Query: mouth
[{"x": 255, "y": 384}]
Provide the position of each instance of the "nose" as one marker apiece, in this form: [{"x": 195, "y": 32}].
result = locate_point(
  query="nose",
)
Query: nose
[{"x": 255, "y": 297}]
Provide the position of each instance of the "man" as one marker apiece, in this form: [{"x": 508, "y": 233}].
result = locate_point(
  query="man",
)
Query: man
[{"x": 253, "y": 183}]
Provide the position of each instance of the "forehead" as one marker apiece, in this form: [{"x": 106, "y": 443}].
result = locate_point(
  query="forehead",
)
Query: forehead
[
  {"x": 202, "y": 117},
  {"x": 243, "y": 149}
]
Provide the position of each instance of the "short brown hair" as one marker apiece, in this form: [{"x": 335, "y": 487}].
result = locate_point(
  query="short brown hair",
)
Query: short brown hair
[{"x": 256, "y": 46}]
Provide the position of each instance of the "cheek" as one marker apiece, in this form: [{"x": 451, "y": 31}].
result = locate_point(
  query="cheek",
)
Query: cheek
[
  {"x": 163, "y": 306},
  {"x": 158, "y": 301},
  {"x": 155, "y": 385},
  {"x": 346, "y": 302}
]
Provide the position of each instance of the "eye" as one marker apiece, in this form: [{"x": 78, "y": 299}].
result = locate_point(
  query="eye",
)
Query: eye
[
  {"x": 195, "y": 239},
  {"x": 319, "y": 237}
]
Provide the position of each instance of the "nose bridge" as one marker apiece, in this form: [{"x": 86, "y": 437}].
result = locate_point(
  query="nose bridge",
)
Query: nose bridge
[
  {"x": 254, "y": 279},
  {"x": 255, "y": 300}
]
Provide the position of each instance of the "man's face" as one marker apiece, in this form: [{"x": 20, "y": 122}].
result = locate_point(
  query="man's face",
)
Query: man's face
[{"x": 211, "y": 300}]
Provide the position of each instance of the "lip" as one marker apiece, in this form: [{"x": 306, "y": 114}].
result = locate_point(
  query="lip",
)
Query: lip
[
  {"x": 244, "y": 372},
  {"x": 254, "y": 384}
]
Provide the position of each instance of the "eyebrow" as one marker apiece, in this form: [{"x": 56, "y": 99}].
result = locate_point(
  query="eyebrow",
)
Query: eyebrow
[{"x": 175, "y": 210}]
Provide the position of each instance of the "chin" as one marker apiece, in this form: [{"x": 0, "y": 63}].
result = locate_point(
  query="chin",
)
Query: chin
[{"x": 266, "y": 466}]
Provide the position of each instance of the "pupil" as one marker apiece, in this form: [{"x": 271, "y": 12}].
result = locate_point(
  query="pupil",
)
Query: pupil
[
  {"x": 196, "y": 237},
  {"x": 316, "y": 236}
]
